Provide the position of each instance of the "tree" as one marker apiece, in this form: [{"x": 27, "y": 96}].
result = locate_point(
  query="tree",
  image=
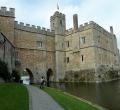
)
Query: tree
[
  {"x": 4, "y": 73},
  {"x": 15, "y": 76}
]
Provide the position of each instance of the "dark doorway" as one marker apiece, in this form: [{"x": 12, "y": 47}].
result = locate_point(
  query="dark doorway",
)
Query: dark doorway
[
  {"x": 49, "y": 74},
  {"x": 31, "y": 75}
]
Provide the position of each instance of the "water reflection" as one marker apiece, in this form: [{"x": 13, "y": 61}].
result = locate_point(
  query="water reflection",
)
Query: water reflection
[{"x": 104, "y": 94}]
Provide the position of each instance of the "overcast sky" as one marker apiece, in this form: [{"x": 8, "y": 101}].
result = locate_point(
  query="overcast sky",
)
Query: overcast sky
[{"x": 37, "y": 12}]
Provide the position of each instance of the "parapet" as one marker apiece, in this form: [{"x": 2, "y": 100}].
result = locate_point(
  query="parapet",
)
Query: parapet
[
  {"x": 99, "y": 28},
  {"x": 88, "y": 25},
  {"x": 33, "y": 28},
  {"x": 8, "y": 13},
  {"x": 57, "y": 14},
  {"x": 69, "y": 31}
]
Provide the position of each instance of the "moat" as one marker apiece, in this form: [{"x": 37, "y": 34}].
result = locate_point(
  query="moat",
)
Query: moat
[{"x": 104, "y": 94}]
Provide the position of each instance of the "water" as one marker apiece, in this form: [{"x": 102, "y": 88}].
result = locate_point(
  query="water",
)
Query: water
[{"x": 104, "y": 94}]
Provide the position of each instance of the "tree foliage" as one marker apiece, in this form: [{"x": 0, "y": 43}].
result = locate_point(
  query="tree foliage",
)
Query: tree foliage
[
  {"x": 4, "y": 72},
  {"x": 15, "y": 76}
]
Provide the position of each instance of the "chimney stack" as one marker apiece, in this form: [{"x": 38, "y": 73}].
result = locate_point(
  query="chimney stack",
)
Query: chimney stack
[
  {"x": 111, "y": 29},
  {"x": 75, "y": 21}
]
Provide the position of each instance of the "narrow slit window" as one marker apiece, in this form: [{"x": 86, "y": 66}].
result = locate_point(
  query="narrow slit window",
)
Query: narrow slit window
[
  {"x": 68, "y": 60},
  {"x": 61, "y": 22},
  {"x": 82, "y": 58},
  {"x": 67, "y": 43}
]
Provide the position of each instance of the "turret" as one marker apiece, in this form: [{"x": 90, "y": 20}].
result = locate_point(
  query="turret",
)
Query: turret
[
  {"x": 75, "y": 21},
  {"x": 8, "y": 13},
  {"x": 7, "y": 17},
  {"x": 111, "y": 30},
  {"x": 58, "y": 23}
]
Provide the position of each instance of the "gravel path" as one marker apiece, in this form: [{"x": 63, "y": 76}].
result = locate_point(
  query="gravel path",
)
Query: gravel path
[{"x": 39, "y": 100}]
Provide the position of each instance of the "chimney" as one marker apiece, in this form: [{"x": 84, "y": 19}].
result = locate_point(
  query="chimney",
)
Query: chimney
[
  {"x": 111, "y": 29},
  {"x": 75, "y": 21}
]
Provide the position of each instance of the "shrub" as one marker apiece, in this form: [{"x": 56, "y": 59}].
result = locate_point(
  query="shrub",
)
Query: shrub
[
  {"x": 4, "y": 73},
  {"x": 15, "y": 76}
]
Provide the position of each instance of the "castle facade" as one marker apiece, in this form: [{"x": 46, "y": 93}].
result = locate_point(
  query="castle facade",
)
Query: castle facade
[{"x": 83, "y": 53}]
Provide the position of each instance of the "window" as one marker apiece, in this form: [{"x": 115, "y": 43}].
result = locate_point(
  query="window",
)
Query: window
[
  {"x": 53, "y": 24},
  {"x": 82, "y": 58},
  {"x": 39, "y": 44},
  {"x": 67, "y": 43},
  {"x": 67, "y": 59},
  {"x": 61, "y": 22},
  {"x": 98, "y": 39},
  {"x": 62, "y": 45},
  {"x": 82, "y": 40}
]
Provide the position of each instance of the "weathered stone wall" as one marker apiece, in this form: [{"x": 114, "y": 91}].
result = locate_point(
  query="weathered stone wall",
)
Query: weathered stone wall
[
  {"x": 106, "y": 73},
  {"x": 76, "y": 50},
  {"x": 105, "y": 48},
  {"x": 7, "y": 23},
  {"x": 58, "y": 24},
  {"x": 7, "y": 52},
  {"x": 100, "y": 48},
  {"x": 90, "y": 46},
  {"x": 37, "y": 59},
  {"x": 86, "y": 75}
]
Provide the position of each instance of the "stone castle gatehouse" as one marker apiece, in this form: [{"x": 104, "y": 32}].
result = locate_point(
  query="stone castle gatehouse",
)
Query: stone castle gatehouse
[{"x": 83, "y": 53}]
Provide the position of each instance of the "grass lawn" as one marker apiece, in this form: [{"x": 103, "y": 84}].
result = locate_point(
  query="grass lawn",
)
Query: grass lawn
[
  {"x": 13, "y": 97},
  {"x": 68, "y": 102}
]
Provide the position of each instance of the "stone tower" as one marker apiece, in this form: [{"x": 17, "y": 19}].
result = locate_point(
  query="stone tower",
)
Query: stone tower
[
  {"x": 7, "y": 18},
  {"x": 75, "y": 21},
  {"x": 58, "y": 24}
]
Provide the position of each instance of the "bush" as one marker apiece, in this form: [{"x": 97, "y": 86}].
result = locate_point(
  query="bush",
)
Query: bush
[
  {"x": 4, "y": 73},
  {"x": 15, "y": 76}
]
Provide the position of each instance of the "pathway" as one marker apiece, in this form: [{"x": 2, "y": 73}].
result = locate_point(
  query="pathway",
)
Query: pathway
[{"x": 39, "y": 100}]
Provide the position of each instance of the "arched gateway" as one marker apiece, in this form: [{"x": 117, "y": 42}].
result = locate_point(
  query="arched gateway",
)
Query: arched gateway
[
  {"x": 31, "y": 75},
  {"x": 49, "y": 74}
]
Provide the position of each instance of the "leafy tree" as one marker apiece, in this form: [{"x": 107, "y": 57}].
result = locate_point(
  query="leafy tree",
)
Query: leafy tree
[
  {"x": 4, "y": 73},
  {"x": 15, "y": 76}
]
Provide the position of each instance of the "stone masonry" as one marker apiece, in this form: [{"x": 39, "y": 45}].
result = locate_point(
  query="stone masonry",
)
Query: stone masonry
[{"x": 83, "y": 53}]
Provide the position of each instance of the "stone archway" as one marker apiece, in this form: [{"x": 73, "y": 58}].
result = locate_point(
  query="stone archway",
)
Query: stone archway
[
  {"x": 49, "y": 74},
  {"x": 31, "y": 75}
]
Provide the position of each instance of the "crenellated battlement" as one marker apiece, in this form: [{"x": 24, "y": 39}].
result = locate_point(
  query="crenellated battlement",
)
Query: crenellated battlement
[
  {"x": 57, "y": 14},
  {"x": 88, "y": 25},
  {"x": 33, "y": 28},
  {"x": 8, "y": 13},
  {"x": 69, "y": 31}
]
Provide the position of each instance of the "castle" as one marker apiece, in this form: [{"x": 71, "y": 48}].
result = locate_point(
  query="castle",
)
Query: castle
[{"x": 83, "y": 53}]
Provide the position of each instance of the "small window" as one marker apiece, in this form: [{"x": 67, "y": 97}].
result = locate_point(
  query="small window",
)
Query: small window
[
  {"x": 98, "y": 39},
  {"x": 53, "y": 24},
  {"x": 67, "y": 59},
  {"x": 62, "y": 45},
  {"x": 82, "y": 58},
  {"x": 67, "y": 43},
  {"x": 39, "y": 44},
  {"x": 82, "y": 40},
  {"x": 61, "y": 22}
]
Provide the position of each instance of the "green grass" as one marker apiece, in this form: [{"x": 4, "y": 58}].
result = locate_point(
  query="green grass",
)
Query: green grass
[
  {"x": 13, "y": 97},
  {"x": 68, "y": 102}
]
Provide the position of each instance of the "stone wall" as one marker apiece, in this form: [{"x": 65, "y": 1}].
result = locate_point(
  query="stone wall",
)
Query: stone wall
[
  {"x": 86, "y": 75},
  {"x": 7, "y": 52},
  {"x": 76, "y": 50},
  {"x": 100, "y": 48},
  {"x": 7, "y": 23},
  {"x": 74, "y": 54},
  {"x": 37, "y": 59}
]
